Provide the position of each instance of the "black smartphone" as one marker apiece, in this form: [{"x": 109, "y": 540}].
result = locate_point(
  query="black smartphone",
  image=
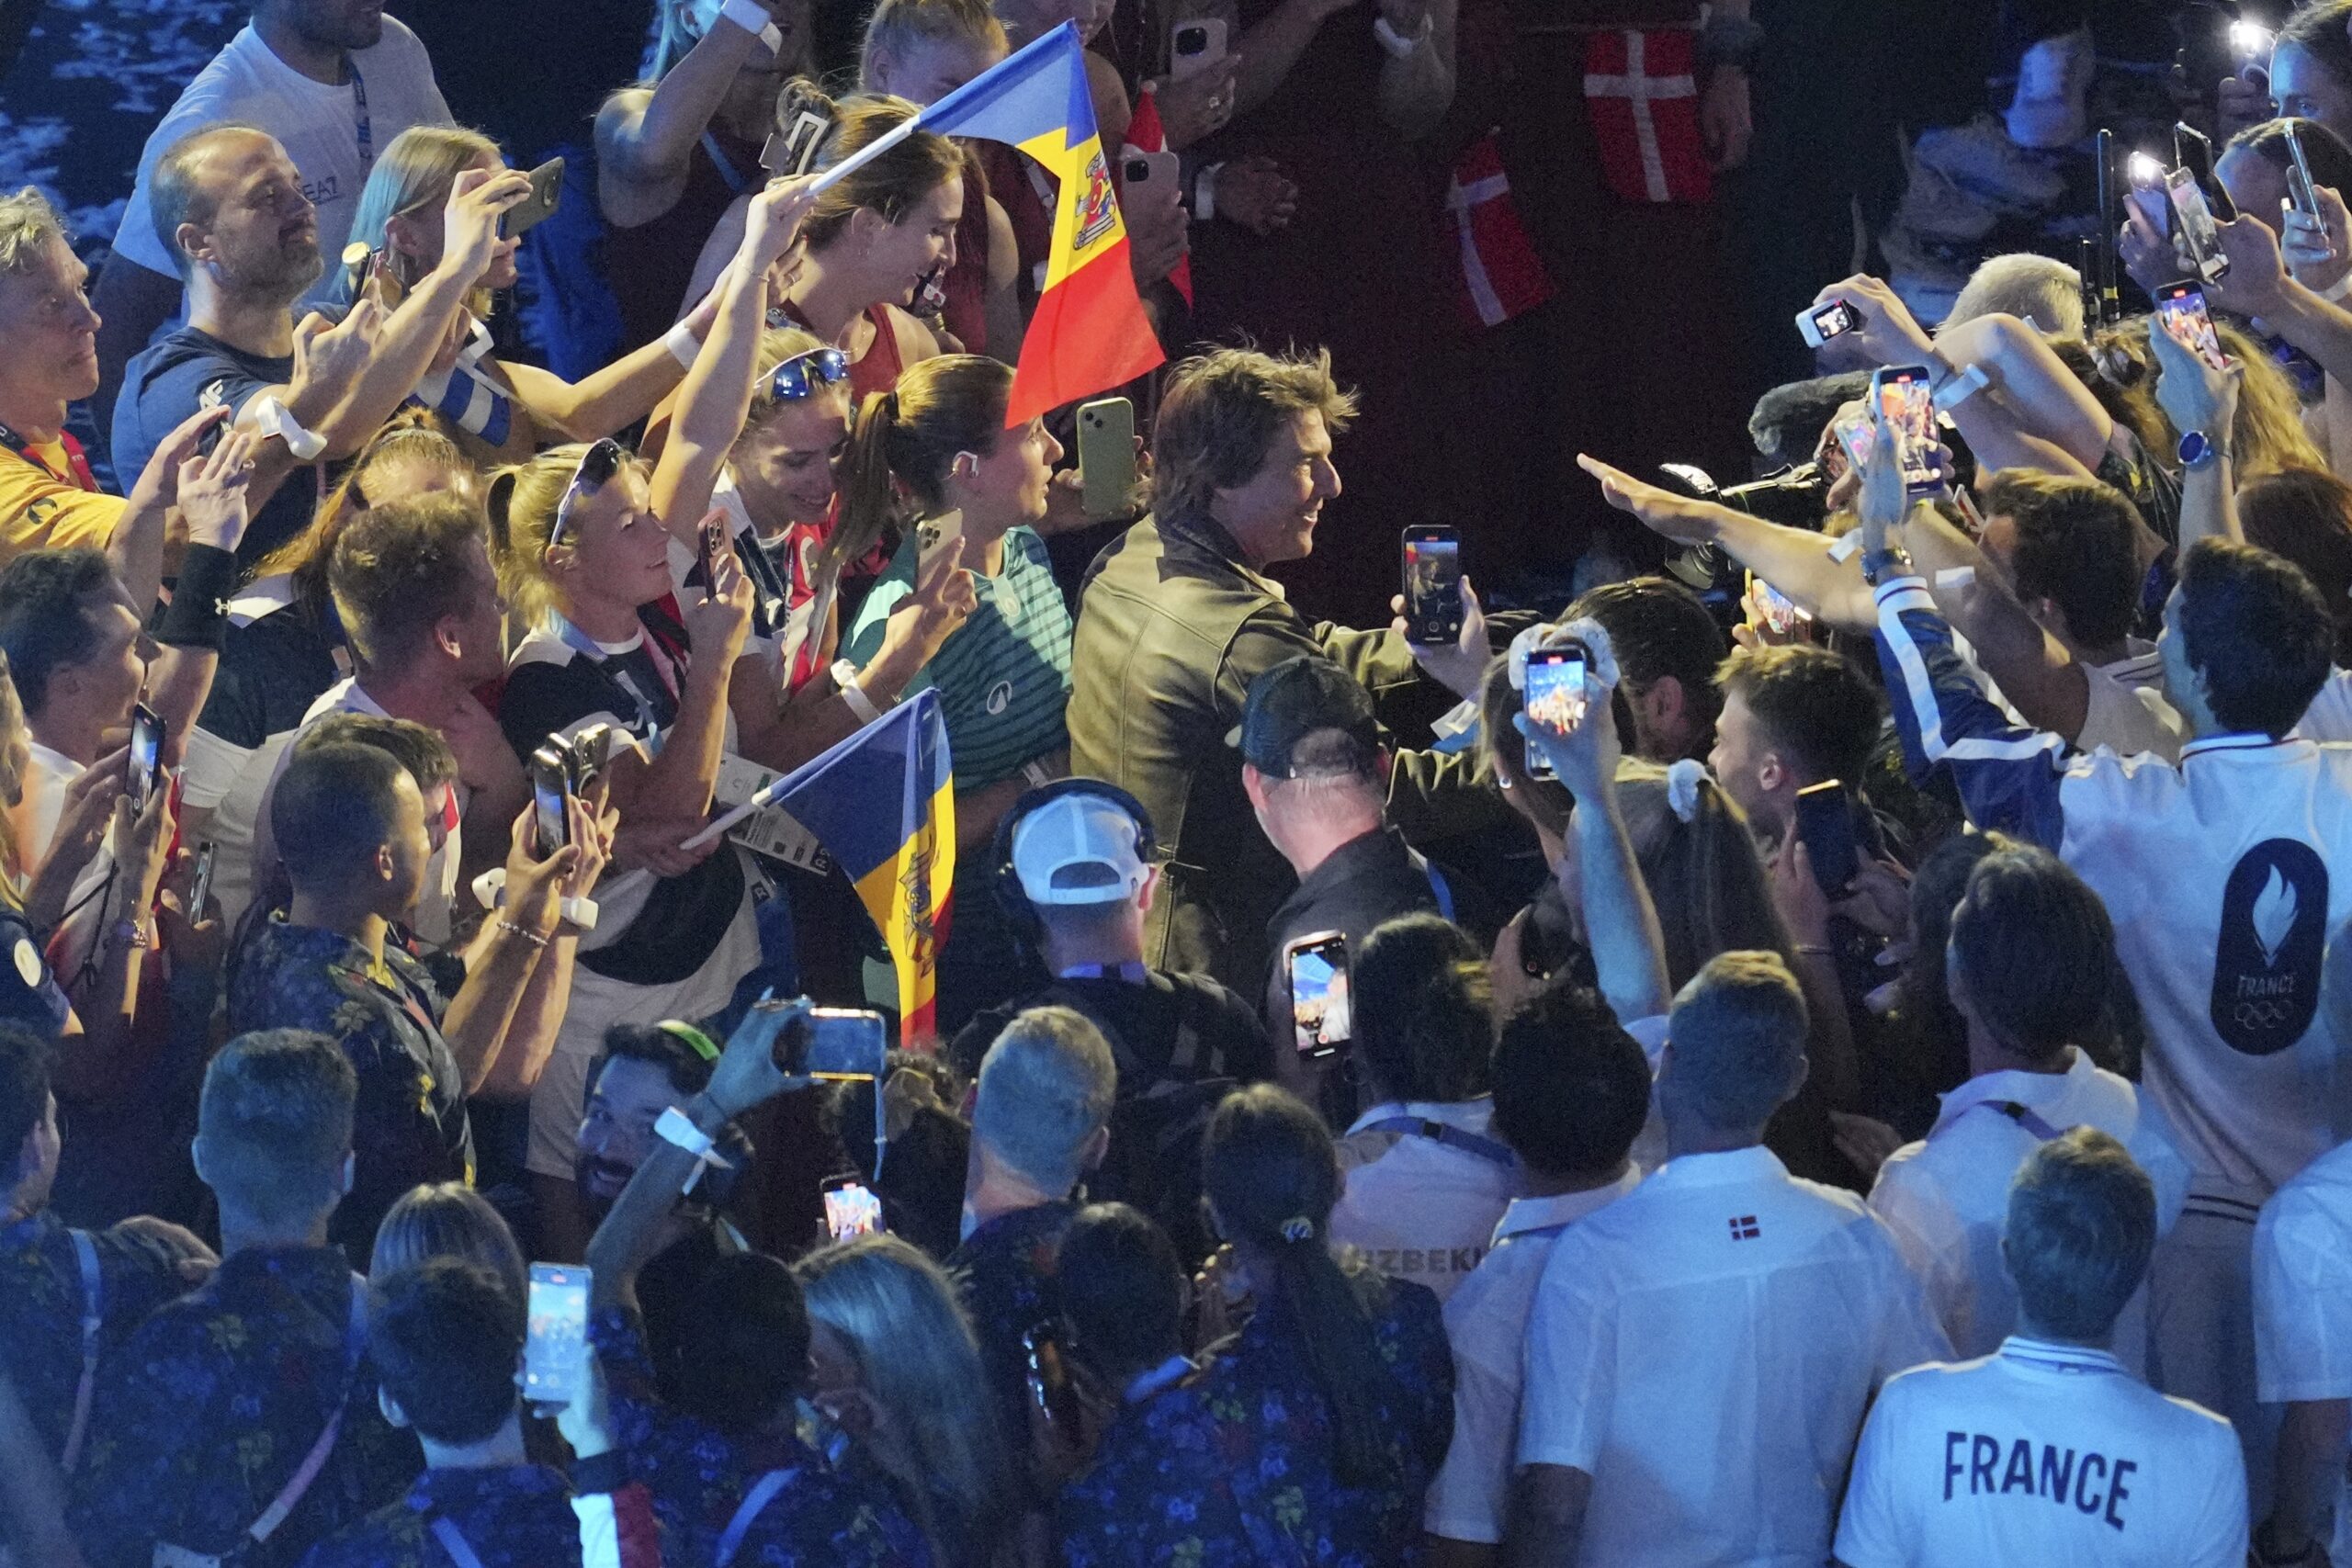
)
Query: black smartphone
[
  {"x": 1825, "y": 826},
  {"x": 851, "y": 1208},
  {"x": 2193, "y": 149},
  {"x": 2199, "y": 239},
  {"x": 1049, "y": 1382},
  {"x": 547, "y": 189},
  {"x": 2300, "y": 183},
  {"x": 1432, "y": 573},
  {"x": 551, "y": 796},
  {"x": 2181, "y": 310},
  {"x": 201, "y": 888},
  {"x": 146, "y": 765},
  {"x": 834, "y": 1044},
  {"x": 1555, "y": 697},
  {"x": 1321, "y": 1018}
]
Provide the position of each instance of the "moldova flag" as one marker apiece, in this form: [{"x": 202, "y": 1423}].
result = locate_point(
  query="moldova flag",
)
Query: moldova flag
[
  {"x": 1089, "y": 334},
  {"x": 883, "y": 804}
]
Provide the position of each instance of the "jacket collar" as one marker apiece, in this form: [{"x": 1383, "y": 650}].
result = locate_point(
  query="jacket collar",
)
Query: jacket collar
[{"x": 2033, "y": 1090}]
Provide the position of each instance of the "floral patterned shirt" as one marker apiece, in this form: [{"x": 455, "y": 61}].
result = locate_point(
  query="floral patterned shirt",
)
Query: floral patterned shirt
[
  {"x": 41, "y": 1308},
  {"x": 1159, "y": 1493},
  {"x": 409, "y": 1126},
  {"x": 1005, "y": 1271},
  {"x": 215, "y": 1403},
  {"x": 828, "y": 1515}
]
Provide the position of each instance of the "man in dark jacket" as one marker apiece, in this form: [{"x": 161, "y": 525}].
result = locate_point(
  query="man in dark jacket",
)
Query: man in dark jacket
[{"x": 1176, "y": 620}]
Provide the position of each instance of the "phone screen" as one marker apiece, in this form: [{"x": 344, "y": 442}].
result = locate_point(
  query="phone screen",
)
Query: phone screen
[
  {"x": 1856, "y": 436},
  {"x": 851, "y": 1208},
  {"x": 1776, "y": 611},
  {"x": 835, "y": 1042},
  {"x": 549, "y": 820},
  {"x": 146, "y": 754},
  {"x": 2180, "y": 308},
  {"x": 1554, "y": 698},
  {"x": 1825, "y": 825},
  {"x": 555, "y": 1352},
  {"x": 1907, "y": 397},
  {"x": 2197, "y": 227},
  {"x": 1318, "y": 994},
  {"x": 1833, "y": 320},
  {"x": 1432, "y": 586}
]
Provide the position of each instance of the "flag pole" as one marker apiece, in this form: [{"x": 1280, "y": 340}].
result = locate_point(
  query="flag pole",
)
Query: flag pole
[{"x": 867, "y": 153}]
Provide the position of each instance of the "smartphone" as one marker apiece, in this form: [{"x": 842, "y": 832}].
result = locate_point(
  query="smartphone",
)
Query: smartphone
[
  {"x": 356, "y": 259},
  {"x": 708, "y": 547},
  {"x": 1818, "y": 323},
  {"x": 1150, "y": 186},
  {"x": 2193, "y": 149},
  {"x": 1317, "y": 968},
  {"x": 1555, "y": 697},
  {"x": 201, "y": 888},
  {"x": 1906, "y": 397},
  {"x": 547, "y": 189},
  {"x": 834, "y": 1044},
  {"x": 1049, "y": 1382},
  {"x": 1194, "y": 47},
  {"x": 1106, "y": 455},
  {"x": 555, "y": 1347},
  {"x": 2181, "y": 310},
  {"x": 935, "y": 533},
  {"x": 1856, "y": 436},
  {"x": 146, "y": 766},
  {"x": 2300, "y": 183},
  {"x": 1825, "y": 826},
  {"x": 2201, "y": 238},
  {"x": 1432, "y": 585},
  {"x": 1778, "y": 612},
  {"x": 550, "y": 796},
  {"x": 2145, "y": 174},
  {"x": 851, "y": 1208}
]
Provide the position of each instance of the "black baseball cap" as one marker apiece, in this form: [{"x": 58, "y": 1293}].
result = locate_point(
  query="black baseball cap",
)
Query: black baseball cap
[{"x": 1297, "y": 698}]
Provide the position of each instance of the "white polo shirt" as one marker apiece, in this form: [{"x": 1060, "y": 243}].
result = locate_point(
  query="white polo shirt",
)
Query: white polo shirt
[
  {"x": 2330, "y": 716},
  {"x": 1426, "y": 1184},
  {"x": 2125, "y": 709},
  {"x": 1703, "y": 1348},
  {"x": 1947, "y": 1198},
  {"x": 1486, "y": 1322},
  {"x": 2041, "y": 1453},
  {"x": 2303, "y": 1284},
  {"x": 317, "y": 124}
]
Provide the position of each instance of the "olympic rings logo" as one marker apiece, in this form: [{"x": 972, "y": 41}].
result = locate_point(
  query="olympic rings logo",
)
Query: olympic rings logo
[{"x": 2260, "y": 1014}]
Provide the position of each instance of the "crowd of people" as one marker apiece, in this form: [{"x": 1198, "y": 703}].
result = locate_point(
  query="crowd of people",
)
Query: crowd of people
[{"x": 1838, "y": 1050}]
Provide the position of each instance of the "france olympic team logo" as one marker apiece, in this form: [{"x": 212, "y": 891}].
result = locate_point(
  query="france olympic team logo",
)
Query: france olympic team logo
[
  {"x": 1098, "y": 208},
  {"x": 2274, "y": 936}
]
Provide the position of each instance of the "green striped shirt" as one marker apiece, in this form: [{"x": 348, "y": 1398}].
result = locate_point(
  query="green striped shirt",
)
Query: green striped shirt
[{"x": 1004, "y": 676}]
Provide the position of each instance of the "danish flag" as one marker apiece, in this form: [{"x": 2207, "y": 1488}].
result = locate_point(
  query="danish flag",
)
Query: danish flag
[
  {"x": 1502, "y": 274},
  {"x": 1644, "y": 100}
]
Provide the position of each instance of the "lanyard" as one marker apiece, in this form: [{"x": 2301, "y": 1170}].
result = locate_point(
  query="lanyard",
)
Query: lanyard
[
  {"x": 1133, "y": 973},
  {"x": 363, "y": 130},
  {"x": 454, "y": 1542},
  {"x": 580, "y": 642},
  {"x": 79, "y": 477},
  {"x": 737, "y": 181}
]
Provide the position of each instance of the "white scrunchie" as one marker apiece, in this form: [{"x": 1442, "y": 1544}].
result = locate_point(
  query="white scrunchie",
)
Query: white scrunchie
[
  {"x": 1683, "y": 788},
  {"x": 1584, "y": 630}
]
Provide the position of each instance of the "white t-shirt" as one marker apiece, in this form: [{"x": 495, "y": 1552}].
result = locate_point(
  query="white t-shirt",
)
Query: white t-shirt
[
  {"x": 1486, "y": 1322},
  {"x": 1704, "y": 1347},
  {"x": 2041, "y": 1453},
  {"x": 2330, "y": 716},
  {"x": 317, "y": 124},
  {"x": 1946, "y": 1199},
  {"x": 1423, "y": 1204},
  {"x": 53, "y": 772},
  {"x": 2126, "y": 711},
  {"x": 2303, "y": 1284}
]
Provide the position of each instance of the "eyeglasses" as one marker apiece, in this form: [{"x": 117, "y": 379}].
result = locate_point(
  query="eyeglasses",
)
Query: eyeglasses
[
  {"x": 801, "y": 374},
  {"x": 599, "y": 463}
]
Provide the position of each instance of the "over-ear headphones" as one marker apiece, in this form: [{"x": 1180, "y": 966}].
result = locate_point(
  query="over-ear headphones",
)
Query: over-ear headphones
[{"x": 1006, "y": 882}]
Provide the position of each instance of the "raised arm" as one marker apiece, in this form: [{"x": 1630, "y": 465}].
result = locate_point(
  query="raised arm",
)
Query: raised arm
[
  {"x": 1417, "y": 87},
  {"x": 717, "y": 393},
  {"x": 2033, "y": 671},
  {"x": 2197, "y": 397},
  {"x": 676, "y": 784},
  {"x": 644, "y": 140}
]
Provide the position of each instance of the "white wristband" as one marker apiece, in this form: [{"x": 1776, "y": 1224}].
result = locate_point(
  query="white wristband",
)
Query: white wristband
[
  {"x": 677, "y": 1129},
  {"x": 753, "y": 19},
  {"x": 1399, "y": 46},
  {"x": 683, "y": 344},
  {"x": 1205, "y": 193},
  {"x": 845, "y": 678},
  {"x": 578, "y": 913},
  {"x": 270, "y": 418},
  {"x": 1034, "y": 772},
  {"x": 2336, "y": 290},
  {"x": 1959, "y": 387}
]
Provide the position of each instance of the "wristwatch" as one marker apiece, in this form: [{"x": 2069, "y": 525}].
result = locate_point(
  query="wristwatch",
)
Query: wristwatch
[
  {"x": 2198, "y": 450},
  {"x": 1878, "y": 565}
]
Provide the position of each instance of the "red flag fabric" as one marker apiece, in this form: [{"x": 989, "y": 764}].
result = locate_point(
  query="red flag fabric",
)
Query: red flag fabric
[
  {"x": 1501, "y": 275},
  {"x": 1643, "y": 99},
  {"x": 1145, "y": 134}
]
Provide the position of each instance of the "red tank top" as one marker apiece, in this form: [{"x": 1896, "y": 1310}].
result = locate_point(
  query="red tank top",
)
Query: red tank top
[{"x": 877, "y": 370}]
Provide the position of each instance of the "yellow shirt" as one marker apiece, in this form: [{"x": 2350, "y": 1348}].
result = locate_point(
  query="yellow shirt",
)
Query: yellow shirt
[{"x": 39, "y": 511}]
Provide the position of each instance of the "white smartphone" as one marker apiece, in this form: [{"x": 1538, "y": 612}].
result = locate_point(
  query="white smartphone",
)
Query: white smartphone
[
  {"x": 1818, "y": 323},
  {"x": 935, "y": 533},
  {"x": 1195, "y": 47}
]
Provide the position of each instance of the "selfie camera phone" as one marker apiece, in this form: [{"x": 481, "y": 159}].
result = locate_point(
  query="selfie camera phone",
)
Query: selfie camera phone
[
  {"x": 2197, "y": 231},
  {"x": 1317, "y": 968},
  {"x": 555, "y": 1349},
  {"x": 1818, "y": 323},
  {"x": 1776, "y": 612},
  {"x": 851, "y": 1208},
  {"x": 1195, "y": 47},
  {"x": 1555, "y": 697},
  {"x": 550, "y": 795},
  {"x": 2181, "y": 312},
  {"x": 1825, "y": 826},
  {"x": 547, "y": 189},
  {"x": 2251, "y": 45},
  {"x": 1106, "y": 455},
  {"x": 146, "y": 765},
  {"x": 1432, "y": 586},
  {"x": 201, "y": 888},
  {"x": 1905, "y": 396}
]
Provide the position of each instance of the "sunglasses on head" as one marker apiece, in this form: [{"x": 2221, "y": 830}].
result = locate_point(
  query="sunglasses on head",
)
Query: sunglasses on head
[
  {"x": 801, "y": 374},
  {"x": 599, "y": 463}
]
